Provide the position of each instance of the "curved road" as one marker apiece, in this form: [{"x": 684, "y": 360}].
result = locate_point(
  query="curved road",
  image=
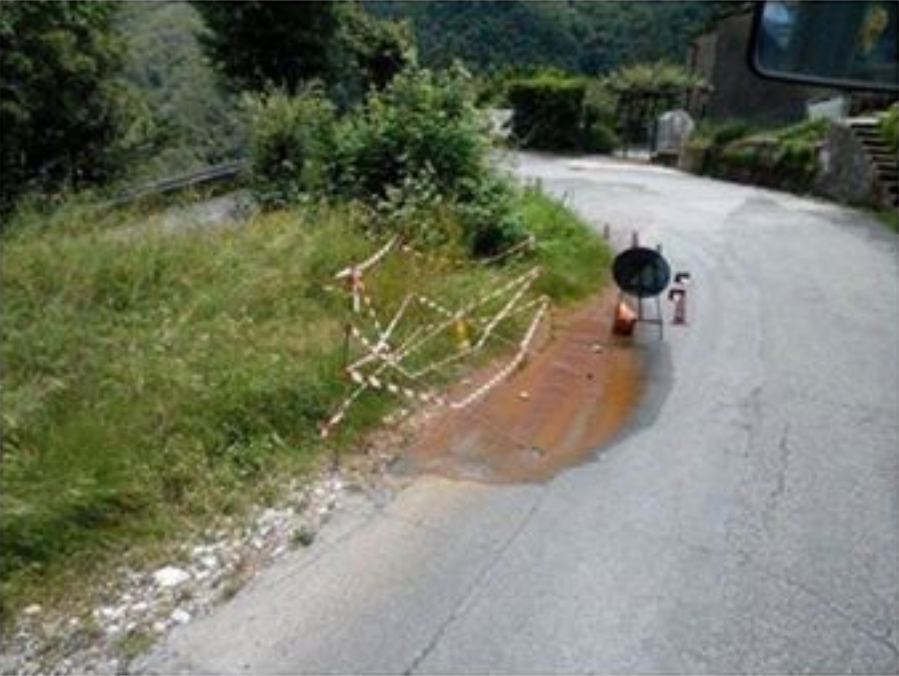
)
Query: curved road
[{"x": 748, "y": 522}]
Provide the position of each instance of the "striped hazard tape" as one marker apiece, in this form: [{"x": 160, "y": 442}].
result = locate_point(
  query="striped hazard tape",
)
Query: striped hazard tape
[
  {"x": 379, "y": 383},
  {"x": 510, "y": 367},
  {"x": 383, "y": 355},
  {"x": 393, "y": 388}
]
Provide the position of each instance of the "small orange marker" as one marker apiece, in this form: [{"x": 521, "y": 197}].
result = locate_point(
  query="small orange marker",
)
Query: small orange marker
[{"x": 625, "y": 320}]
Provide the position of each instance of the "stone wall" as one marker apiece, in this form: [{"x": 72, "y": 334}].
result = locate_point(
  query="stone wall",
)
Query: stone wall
[{"x": 846, "y": 174}]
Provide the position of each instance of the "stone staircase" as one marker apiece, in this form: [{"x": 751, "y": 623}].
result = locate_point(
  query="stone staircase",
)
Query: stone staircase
[{"x": 883, "y": 161}]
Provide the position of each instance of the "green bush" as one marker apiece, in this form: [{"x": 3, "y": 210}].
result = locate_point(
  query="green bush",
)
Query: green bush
[
  {"x": 781, "y": 158},
  {"x": 422, "y": 123},
  {"x": 420, "y": 147},
  {"x": 600, "y": 117},
  {"x": 292, "y": 143},
  {"x": 889, "y": 127},
  {"x": 731, "y": 130},
  {"x": 548, "y": 112}
]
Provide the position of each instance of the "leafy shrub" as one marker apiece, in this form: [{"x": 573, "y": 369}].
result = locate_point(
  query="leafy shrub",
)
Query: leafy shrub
[
  {"x": 600, "y": 118},
  {"x": 548, "y": 112},
  {"x": 422, "y": 123},
  {"x": 889, "y": 127},
  {"x": 489, "y": 215},
  {"x": 731, "y": 130},
  {"x": 420, "y": 147},
  {"x": 292, "y": 142},
  {"x": 782, "y": 158}
]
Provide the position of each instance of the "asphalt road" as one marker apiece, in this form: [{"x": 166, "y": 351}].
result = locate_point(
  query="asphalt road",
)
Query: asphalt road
[{"x": 747, "y": 522}]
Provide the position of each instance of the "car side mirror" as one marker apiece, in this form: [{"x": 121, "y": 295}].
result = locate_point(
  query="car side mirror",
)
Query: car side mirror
[{"x": 844, "y": 44}]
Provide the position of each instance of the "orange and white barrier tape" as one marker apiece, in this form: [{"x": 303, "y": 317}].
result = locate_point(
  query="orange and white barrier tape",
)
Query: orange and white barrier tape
[
  {"x": 510, "y": 367},
  {"x": 360, "y": 268},
  {"x": 380, "y": 349},
  {"x": 378, "y": 383}
]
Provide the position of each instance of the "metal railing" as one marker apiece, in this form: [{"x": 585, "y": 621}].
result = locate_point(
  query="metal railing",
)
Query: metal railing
[{"x": 219, "y": 173}]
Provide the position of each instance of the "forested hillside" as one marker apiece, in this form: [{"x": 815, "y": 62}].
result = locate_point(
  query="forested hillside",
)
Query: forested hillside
[
  {"x": 187, "y": 119},
  {"x": 589, "y": 37}
]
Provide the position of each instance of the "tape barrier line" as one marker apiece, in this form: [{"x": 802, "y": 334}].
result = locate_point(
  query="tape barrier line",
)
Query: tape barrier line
[
  {"x": 376, "y": 353},
  {"x": 467, "y": 309},
  {"x": 375, "y": 258},
  {"x": 376, "y": 382},
  {"x": 380, "y": 350},
  {"x": 529, "y": 243},
  {"x": 504, "y": 313},
  {"x": 507, "y": 370},
  {"x": 381, "y": 384}
]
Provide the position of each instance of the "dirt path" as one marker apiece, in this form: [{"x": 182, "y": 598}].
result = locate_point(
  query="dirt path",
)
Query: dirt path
[{"x": 571, "y": 397}]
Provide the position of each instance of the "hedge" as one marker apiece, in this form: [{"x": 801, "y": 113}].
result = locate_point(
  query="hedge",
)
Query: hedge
[{"x": 551, "y": 112}]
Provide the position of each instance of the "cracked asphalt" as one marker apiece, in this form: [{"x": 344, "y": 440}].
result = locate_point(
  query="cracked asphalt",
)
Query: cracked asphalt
[{"x": 748, "y": 521}]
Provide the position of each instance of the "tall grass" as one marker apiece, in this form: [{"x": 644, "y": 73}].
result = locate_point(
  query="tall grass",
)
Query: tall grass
[{"x": 153, "y": 382}]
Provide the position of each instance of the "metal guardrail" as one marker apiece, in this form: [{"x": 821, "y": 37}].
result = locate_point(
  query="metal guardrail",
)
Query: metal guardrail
[{"x": 218, "y": 173}]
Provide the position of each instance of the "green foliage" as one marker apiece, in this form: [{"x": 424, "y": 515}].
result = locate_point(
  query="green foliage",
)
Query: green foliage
[
  {"x": 421, "y": 142},
  {"x": 889, "y": 127},
  {"x": 720, "y": 134},
  {"x": 644, "y": 90},
  {"x": 414, "y": 148},
  {"x": 375, "y": 50},
  {"x": 591, "y": 38},
  {"x": 187, "y": 120},
  {"x": 656, "y": 79},
  {"x": 285, "y": 45},
  {"x": 548, "y": 112},
  {"x": 423, "y": 122},
  {"x": 487, "y": 36},
  {"x": 782, "y": 158},
  {"x": 293, "y": 141},
  {"x": 153, "y": 382},
  {"x": 600, "y": 120},
  {"x": 61, "y": 108},
  {"x": 554, "y": 111},
  {"x": 257, "y": 45},
  {"x": 575, "y": 260}
]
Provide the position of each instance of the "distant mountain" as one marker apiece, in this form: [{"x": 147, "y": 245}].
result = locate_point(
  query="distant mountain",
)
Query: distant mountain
[{"x": 583, "y": 36}]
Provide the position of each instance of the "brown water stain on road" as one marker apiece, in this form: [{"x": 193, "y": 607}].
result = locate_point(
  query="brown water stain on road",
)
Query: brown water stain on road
[{"x": 572, "y": 396}]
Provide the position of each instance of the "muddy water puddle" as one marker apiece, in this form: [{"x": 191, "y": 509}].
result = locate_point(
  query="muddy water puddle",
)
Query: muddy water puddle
[{"x": 574, "y": 394}]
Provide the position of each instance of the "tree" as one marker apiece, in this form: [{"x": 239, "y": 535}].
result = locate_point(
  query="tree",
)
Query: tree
[
  {"x": 592, "y": 38},
  {"x": 285, "y": 45},
  {"x": 192, "y": 120},
  {"x": 377, "y": 50},
  {"x": 257, "y": 44},
  {"x": 59, "y": 98}
]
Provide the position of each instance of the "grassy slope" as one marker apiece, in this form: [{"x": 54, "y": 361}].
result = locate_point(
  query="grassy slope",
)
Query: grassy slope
[{"x": 154, "y": 382}]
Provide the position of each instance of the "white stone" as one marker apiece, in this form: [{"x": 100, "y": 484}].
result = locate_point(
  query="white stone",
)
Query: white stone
[
  {"x": 159, "y": 626},
  {"x": 180, "y": 616},
  {"x": 140, "y": 607},
  {"x": 170, "y": 577},
  {"x": 110, "y": 613},
  {"x": 33, "y": 609}
]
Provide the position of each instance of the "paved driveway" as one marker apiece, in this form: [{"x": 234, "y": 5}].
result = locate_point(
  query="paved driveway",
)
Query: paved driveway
[{"x": 749, "y": 522}]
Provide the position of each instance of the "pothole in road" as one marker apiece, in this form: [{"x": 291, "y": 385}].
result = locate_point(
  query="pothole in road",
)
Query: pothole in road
[{"x": 571, "y": 398}]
